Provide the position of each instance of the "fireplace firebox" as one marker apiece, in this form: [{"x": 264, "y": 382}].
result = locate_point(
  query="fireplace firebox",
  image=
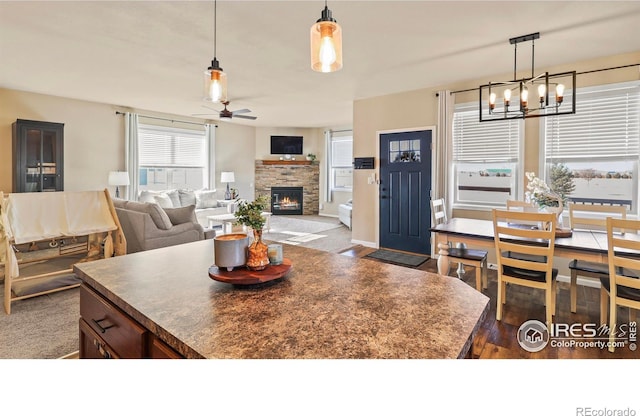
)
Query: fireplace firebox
[{"x": 286, "y": 200}]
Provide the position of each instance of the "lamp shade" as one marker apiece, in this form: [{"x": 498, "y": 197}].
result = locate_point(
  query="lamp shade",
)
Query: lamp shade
[
  {"x": 118, "y": 178},
  {"x": 326, "y": 44},
  {"x": 215, "y": 83},
  {"x": 226, "y": 177}
]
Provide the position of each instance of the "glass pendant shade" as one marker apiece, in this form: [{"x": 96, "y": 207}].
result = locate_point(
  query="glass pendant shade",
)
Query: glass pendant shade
[
  {"x": 215, "y": 83},
  {"x": 326, "y": 44}
]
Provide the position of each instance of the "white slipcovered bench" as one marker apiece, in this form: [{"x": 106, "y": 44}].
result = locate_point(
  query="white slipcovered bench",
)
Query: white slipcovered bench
[{"x": 344, "y": 213}]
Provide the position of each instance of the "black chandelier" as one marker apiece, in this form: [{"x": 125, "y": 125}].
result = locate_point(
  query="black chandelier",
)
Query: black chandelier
[{"x": 550, "y": 89}]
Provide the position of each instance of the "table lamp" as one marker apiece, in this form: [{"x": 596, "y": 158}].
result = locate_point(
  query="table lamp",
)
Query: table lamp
[
  {"x": 117, "y": 178},
  {"x": 226, "y": 177}
]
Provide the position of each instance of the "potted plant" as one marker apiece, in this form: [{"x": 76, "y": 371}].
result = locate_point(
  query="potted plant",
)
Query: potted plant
[
  {"x": 311, "y": 157},
  {"x": 250, "y": 215}
]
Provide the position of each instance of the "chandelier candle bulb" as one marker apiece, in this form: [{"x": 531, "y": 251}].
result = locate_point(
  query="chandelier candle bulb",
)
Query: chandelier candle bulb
[
  {"x": 542, "y": 90},
  {"x": 507, "y": 96},
  {"x": 559, "y": 93},
  {"x": 524, "y": 97}
]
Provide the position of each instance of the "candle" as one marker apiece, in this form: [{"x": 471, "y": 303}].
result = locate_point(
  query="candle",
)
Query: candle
[{"x": 274, "y": 251}]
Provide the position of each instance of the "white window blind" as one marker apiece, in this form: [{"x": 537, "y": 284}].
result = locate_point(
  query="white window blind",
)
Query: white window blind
[
  {"x": 496, "y": 141},
  {"x": 606, "y": 125},
  {"x": 171, "y": 147},
  {"x": 342, "y": 152}
]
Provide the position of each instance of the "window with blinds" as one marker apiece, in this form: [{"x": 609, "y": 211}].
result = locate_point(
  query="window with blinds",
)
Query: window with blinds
[
  {"x": 172, "y": 158},
  {"x": 342, "y": 163},
  {"x": 599, "y": 144},
  {"x": 485, "y": 158}
]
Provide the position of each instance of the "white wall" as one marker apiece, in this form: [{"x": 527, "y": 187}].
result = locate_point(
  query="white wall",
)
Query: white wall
[{"x": 235, "y": 150}]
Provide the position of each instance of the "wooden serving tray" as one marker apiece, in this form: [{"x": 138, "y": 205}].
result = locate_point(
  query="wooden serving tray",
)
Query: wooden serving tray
[{"x": 244, "y": 276}]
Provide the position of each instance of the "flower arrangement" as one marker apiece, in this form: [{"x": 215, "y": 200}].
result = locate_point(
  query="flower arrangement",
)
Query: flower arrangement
[
  {"x": 554, "y": 195},
  {"x": 250, "y": 213},
  {"x": 311, "y": 156},
  {"x": 540, "y": 193}
]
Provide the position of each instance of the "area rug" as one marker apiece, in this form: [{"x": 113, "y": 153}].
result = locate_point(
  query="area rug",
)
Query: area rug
[
  {"x": 299, "y": 238},
  {"x": 402, "y": 259},
  {"x": 285, "y": 223}
]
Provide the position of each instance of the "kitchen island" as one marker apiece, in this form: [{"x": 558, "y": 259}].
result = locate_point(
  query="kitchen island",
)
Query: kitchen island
[{"x": 327, "y": 306}]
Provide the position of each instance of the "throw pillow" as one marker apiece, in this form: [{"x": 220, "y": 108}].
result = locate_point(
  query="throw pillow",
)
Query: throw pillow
[
  {"x": 163, "y": 200},
  {"x": 159, "y": 217},
  {"x": 206, "y": 199},
  {"x": 157, "y": 214},
  {"x": 181, "y": 215},
  {"x": 147, "y": 196},
  {"x": 174, "y": 196},
  {"x": 187, "y": 197}
]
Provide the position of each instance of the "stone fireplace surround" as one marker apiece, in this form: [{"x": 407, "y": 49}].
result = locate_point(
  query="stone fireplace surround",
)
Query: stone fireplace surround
[{"x": 291, "y": 173}]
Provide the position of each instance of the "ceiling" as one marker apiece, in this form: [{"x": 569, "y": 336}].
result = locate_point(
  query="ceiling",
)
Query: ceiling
[{"x": 151, "y": 55}]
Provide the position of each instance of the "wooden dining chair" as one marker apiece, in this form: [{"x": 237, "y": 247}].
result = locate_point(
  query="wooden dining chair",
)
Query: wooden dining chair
[
  {"x": 465, "y": 256},
  {"x": 590, "y": 217},
  {"x": 525, "y": 255},
  {"x": 622, "y": 285},
  {"x": 514, "y": 204},
  {"x": 522, "y": 206}
]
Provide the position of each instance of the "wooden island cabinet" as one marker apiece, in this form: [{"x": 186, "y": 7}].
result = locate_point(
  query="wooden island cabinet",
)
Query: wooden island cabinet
[{"x": 107, "y": 332}]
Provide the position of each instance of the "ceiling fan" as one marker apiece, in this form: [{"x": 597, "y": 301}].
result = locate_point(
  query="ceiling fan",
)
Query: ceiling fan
[{"x": 225, "y": 113}]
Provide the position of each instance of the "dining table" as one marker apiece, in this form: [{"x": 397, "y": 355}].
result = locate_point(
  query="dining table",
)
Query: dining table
[{"x": 589, "y": 245}]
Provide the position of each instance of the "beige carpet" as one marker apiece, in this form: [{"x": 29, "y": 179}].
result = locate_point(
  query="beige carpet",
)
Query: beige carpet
[{"x": 47, "y": 326}]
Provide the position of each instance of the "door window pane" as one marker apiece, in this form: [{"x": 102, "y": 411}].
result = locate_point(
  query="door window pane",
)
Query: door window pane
[{"x": 401, "y": 151}]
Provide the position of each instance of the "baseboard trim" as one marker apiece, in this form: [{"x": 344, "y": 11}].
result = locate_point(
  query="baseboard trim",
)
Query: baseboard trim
[{"x": 370, "y": 244}]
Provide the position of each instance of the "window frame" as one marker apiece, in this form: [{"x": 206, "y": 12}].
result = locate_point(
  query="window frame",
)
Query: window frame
[
  {"x": 585, "y": 117},
  {"x": 516, "y": 156},
  {"x": 333, "y": 166},
  {"x": 174, "y": 133}
]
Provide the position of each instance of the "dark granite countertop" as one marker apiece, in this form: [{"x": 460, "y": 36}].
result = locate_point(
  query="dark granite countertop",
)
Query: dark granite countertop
[{"x": 328, "y": 306}]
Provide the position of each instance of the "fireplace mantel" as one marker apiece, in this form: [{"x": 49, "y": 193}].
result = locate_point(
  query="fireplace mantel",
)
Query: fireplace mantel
[{"x": 287, "y": 162}]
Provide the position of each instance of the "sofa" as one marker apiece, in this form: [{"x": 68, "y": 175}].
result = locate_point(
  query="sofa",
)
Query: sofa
[
  {"x": 205, "y": 202},
  {"x": 147, "y": 226}
]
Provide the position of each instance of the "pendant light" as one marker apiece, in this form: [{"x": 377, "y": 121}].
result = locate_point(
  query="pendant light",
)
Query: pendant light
[
  {"x": 215, "y": 80},
  {"x": 549, "y": 87},
  {"x": 326, "y": 43}
]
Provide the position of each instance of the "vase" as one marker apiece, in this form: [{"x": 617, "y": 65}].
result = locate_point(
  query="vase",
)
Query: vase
[
  {"x": 257, "y": 257},
  {"x": 558, "y": 213}
]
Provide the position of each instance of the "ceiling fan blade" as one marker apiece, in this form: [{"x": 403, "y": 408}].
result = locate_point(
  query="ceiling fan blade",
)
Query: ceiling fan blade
[
  {"x": 247, "y": 117},
  {"x": 241, "y": 111},
  {"x": 205, "y": 114}
]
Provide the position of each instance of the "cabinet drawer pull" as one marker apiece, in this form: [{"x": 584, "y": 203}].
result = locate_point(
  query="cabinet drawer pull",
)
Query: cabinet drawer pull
[
  {"x": 100, "y": 347},
  {"x": 102, "y": 329}
]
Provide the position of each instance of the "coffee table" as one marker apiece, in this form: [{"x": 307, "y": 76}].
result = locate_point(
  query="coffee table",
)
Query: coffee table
[{"x": 227, "y": 221}]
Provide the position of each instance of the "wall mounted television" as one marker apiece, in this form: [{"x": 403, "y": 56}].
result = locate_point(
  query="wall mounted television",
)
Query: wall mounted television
[{"x": 286, "y": 145}]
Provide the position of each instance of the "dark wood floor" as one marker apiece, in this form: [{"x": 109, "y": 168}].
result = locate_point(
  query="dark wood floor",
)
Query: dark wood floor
[{"x": 497, "y": 339}]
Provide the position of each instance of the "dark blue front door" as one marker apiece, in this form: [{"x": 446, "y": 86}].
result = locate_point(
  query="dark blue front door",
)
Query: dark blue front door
[{"x": 405, "y": 185}]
